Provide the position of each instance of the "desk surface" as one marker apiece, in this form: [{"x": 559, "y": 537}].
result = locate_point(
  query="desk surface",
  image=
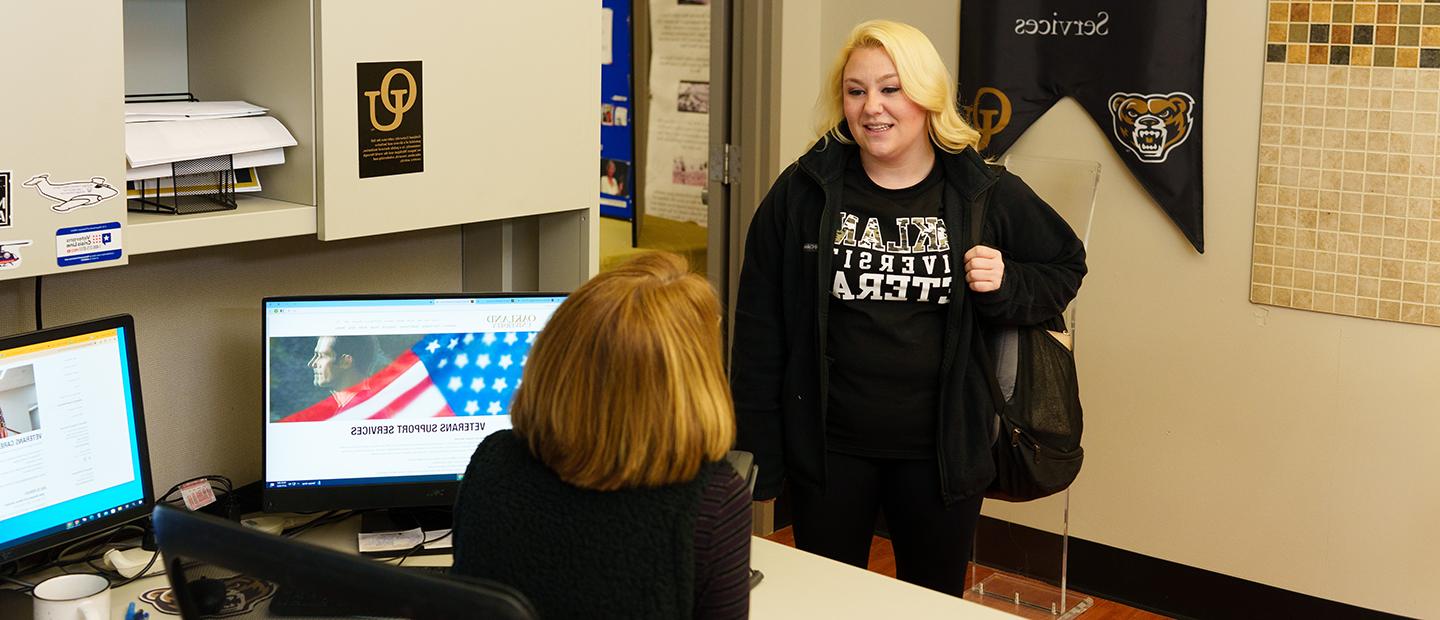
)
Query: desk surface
[
  {"x": 797, "y": 585},
  {"x": 802, "y": 585}
]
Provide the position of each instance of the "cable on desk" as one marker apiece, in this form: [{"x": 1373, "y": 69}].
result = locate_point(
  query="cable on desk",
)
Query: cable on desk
[
  {"x": 224, "y": 483},
  {"x": 422, "y": 543},
  {"x": 25, "y": 586},
  {"x": 62, "y": 561},
  {"x": 333, "y": 516},
  {"x": 144, "y": 572},
  {"x": 220, "y": 483},
  {"x": 96, "y": 551}
]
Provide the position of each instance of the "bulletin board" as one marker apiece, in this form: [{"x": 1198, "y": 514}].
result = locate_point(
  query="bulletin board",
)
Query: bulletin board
[{"x": 617, "y": 138}]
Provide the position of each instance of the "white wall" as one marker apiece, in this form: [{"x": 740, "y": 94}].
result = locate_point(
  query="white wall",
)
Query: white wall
[
  {"x": 1284, "y": 447},
  {"x": 800, "y": 54}
]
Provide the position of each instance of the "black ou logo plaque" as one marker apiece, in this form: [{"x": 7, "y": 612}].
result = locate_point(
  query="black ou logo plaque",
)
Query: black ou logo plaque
[{"x": 391, "y": 103}]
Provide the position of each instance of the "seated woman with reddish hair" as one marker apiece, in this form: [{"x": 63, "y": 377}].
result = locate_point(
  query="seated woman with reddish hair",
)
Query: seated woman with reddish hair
[{"x": 610, "y": 497}]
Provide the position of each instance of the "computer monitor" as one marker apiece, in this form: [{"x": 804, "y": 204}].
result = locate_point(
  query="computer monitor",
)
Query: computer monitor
[
  {"x": 73, "y": 458},
  {"x": 378, "y": 401}
]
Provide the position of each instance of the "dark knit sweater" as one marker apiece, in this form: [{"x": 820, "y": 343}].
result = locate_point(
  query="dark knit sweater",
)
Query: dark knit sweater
[{"x": 577, "y": 552}]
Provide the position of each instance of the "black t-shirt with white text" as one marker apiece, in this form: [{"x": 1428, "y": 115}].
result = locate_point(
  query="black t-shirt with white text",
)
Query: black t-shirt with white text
[{"x": 889, "y": 294}]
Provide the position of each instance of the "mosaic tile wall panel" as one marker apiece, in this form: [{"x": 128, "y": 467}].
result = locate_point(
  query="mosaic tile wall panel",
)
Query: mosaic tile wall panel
[{"x": 1347, "y": 214}]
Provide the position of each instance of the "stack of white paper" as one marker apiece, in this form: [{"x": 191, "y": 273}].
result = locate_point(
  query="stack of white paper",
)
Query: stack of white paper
[
  {"x": 189, "y": 110},
  {"x": 251, "y": 159},
  {"x": 147, "y": 144},
  {"x": 160, "y": 134}
]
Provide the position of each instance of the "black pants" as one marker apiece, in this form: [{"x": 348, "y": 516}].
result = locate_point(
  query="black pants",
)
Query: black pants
[{"x": 932, "y": 541}]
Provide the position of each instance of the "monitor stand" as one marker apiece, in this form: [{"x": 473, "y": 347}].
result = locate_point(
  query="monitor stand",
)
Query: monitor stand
[{"x": 395, "y": 521}]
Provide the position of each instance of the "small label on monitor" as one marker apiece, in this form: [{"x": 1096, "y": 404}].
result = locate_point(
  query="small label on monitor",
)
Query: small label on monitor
[{"x": 197, "y": 493}]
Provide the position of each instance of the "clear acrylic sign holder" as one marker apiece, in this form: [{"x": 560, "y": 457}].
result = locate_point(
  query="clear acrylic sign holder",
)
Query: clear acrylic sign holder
[{"x": 1069, "y": 186}]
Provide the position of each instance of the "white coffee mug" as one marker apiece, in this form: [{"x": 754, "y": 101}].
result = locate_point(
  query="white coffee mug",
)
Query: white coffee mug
[{"x": 69, "y": 597}]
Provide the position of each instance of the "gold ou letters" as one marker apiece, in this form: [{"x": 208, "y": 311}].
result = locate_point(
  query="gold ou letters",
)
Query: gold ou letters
[
  {"x": 983, "y": 119},
  {"x": 401, "y": 104}
]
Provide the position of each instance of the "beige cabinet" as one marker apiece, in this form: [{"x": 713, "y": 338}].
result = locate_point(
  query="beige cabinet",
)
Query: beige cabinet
[
  {"x": 61, "y": 140},
  {"x": 511, "y": 95},
  {"x": 508, "y": 93}
]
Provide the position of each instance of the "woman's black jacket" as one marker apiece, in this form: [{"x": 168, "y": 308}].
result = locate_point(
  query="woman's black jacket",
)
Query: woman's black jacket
[{"x": 778, "y": 370}]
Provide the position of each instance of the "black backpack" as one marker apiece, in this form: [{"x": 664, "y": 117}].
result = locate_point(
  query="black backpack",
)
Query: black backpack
[{"x": 1036, "y": 442}]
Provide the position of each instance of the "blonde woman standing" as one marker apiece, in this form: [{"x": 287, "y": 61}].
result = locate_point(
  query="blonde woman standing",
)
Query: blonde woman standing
[{"x": 856, "y": 367}]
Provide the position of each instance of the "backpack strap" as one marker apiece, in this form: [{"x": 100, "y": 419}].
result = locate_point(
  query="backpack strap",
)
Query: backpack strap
[
  {"x": 977, "y": 216},
  {"x": 977, "y": 225}
]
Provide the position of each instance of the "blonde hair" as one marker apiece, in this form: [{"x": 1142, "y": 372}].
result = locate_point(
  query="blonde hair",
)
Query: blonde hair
[
  {"x": 923, "y": 78},
  {"x": 625, "y": 387}
]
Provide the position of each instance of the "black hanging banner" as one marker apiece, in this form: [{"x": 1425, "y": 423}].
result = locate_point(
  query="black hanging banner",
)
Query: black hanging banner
[{"x": 1136, "y": 66}]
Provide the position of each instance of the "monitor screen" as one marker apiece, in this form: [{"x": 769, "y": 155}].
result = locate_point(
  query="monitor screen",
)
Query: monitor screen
[
  {"x": 379, "y": 401},
  {"x": 73, "y": 458}
]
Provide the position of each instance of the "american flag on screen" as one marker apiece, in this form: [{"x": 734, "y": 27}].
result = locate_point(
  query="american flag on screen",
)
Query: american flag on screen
[{"x": 442, "y": 375}]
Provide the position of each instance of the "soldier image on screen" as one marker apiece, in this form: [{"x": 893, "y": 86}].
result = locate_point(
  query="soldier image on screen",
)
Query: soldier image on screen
[{"x": 342, "y": 364}]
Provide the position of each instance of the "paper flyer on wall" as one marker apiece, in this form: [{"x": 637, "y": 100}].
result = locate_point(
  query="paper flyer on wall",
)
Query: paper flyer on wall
[{"x": 679, "y": 126}]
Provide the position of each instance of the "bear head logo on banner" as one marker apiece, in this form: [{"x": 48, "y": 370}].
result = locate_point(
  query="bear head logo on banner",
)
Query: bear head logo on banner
[{"x": 1151, "y": 125}]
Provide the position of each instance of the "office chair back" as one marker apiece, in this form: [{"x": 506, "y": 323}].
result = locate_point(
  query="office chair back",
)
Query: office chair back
[{"x": 217, "y": 568}]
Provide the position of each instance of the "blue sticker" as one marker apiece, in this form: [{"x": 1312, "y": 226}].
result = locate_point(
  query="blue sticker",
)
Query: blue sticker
[{"x": 79, "y": 245}]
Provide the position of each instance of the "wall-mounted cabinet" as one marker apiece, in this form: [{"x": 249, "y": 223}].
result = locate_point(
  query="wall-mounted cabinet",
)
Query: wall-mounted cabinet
[
  {"x": 62, "y": 144},
  {"x": 505, "y": 93}
]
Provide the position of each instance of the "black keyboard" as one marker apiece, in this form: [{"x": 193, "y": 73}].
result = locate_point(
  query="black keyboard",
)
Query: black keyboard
[{"x": 296, "y": 602}]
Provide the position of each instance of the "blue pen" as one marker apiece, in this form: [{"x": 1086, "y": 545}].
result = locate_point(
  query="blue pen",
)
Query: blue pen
[{"x": 130, "y": 611}]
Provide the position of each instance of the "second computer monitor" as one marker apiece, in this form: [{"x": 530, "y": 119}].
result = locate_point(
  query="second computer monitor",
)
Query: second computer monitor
[
  {"x": 379, "y": 401},
  {"x": 73, "y": 457}
]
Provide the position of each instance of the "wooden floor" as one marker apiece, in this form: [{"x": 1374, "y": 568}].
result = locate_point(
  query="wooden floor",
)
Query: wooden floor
[{"x": 882, "y": 560}]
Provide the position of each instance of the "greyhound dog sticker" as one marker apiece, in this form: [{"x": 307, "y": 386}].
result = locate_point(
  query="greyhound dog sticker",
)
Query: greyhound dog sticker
[{"x": 73, "y": 195}]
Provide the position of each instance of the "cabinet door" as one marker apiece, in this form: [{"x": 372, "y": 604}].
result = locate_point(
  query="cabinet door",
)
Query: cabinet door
[
  {"x": 62, "y": 149},
  {"x": 505, "y": 103}
]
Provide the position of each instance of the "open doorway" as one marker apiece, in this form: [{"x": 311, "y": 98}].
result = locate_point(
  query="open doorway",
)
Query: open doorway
[{"x": 660, "y": 106}]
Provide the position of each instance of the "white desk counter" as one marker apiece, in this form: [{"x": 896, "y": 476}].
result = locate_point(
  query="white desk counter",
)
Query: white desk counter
[
  {"x": 796, "y": 585},
  {"x": 803, "y": 585}
]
